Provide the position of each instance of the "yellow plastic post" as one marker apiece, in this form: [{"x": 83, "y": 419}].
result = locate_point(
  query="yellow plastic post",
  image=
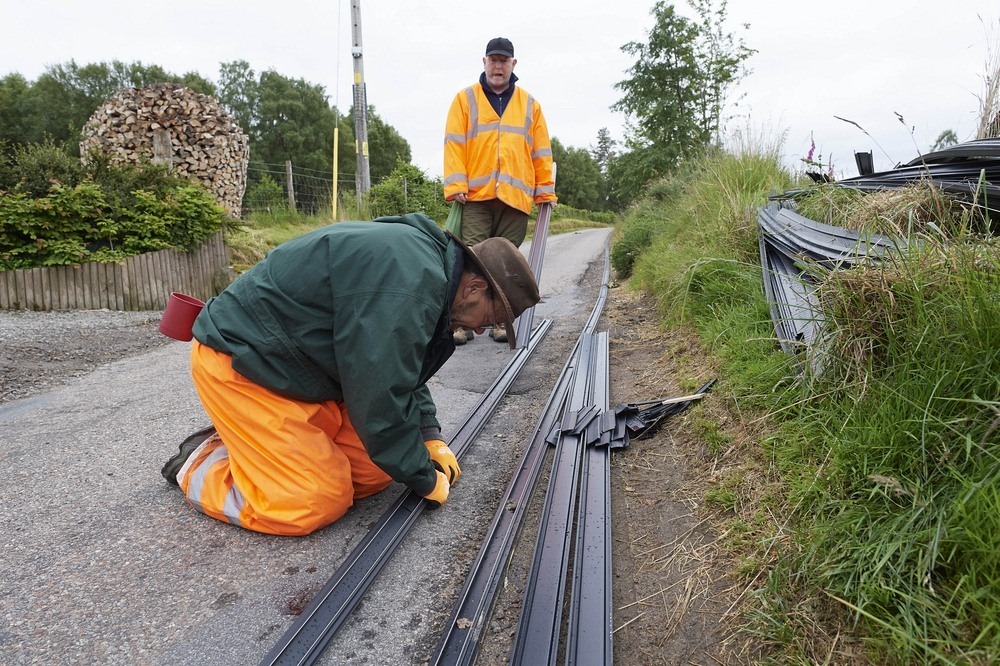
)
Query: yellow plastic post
[{"x": 336, "y": 143}]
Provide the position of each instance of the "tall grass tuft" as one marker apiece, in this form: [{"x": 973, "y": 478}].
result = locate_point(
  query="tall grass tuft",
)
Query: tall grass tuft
[
  {"x": 910, "y": 534},
  {"x": 706, "y": 224},
  {"x": 260, "y": 232},
  {"x": 919, "y": 209}
]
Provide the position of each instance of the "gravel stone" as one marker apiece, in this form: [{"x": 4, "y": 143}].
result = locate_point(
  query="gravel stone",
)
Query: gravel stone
[{"x": 42, "y": 350}]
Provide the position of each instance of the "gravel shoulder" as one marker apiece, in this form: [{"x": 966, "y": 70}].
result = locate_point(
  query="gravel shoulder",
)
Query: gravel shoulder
[{"x": 41, "y": 350}]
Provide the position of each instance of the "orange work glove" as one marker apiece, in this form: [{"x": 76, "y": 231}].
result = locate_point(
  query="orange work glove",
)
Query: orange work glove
[
  {"x": 444, "y": 459},
  {"x": 439, "y": 495}
]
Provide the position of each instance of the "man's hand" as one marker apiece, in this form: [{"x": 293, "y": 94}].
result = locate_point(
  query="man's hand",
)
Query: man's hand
[
  {"x": 462, "y": 198},
  {"x": 439, "y": 495},
  {"x": 444, "y": 459}
]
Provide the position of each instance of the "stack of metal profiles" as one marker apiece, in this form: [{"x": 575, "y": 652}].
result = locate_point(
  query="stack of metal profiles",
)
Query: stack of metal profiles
[
  {"x": 970, "y": 170},
  {"x": 789, "y": 241}
]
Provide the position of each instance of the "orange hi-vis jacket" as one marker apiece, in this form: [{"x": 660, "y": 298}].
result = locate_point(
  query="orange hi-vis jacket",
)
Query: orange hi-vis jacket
[{"x": 488, "y": 157}]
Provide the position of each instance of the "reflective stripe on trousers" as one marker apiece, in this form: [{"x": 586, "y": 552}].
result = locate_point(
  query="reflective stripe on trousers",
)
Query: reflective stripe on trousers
[{"x": 278, "y": 465}]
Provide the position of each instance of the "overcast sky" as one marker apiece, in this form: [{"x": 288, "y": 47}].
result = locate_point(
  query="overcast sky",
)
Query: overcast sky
[{"x": 865, "y": 61}]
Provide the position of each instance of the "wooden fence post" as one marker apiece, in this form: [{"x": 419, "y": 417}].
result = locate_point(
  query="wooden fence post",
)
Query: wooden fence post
[{"x": 291, "y": 188}]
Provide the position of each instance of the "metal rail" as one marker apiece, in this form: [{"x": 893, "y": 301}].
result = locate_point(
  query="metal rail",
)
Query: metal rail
[
  {"x": 786, "y": 238},
  {"x": 460, "y": 640},
  {"x": 589, "y": 640},
  {"x": 540, "y": 624},
  {"x": 535, "y": 256},
  {"x": 309, "y": 635}
]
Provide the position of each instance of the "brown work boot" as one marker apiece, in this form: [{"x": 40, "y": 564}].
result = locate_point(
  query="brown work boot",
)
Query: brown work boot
[
  {"x": 463, "y": 335},
  {"x": 499, "y": 333}
]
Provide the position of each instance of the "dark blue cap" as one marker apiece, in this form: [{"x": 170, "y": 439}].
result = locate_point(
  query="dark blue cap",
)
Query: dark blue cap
[{"x": 500, "y": 46}]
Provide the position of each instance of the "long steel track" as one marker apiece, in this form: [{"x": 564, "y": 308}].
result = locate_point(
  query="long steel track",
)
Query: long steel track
[
  {"x": 590, "y": 615},
  {"x": 535, "y": 256},
  {"x": 308, "y": 637},
  {"x": 460, "y": 640},
  {"x": 540, "y": 625}
]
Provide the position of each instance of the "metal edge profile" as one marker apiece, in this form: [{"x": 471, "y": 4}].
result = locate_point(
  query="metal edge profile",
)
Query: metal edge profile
[
  {"x": 540, "y": 622},
  {"x": 459, "y": 644},
  {"x": 589, "y": 639},
  {"x": 535, "y": 257}
]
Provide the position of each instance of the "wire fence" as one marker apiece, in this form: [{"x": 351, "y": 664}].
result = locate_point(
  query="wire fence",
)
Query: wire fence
[
  {"x": 278, "y": 187},
  {"x": 274, "y": 188}
]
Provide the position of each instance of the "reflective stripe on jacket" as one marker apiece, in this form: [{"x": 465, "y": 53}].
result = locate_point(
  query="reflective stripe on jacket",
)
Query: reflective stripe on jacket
[{"x": 488, "y": 157}]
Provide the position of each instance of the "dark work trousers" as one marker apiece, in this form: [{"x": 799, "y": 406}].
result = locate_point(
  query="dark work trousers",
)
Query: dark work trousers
[{"x": 489, "y": 219}]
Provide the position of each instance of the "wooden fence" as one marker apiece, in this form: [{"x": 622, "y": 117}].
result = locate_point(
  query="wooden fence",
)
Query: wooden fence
[{"x": 138, "y": 283}]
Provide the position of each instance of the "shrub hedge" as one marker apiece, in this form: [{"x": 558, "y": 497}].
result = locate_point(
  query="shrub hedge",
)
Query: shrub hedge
[{"x": 55, "y": 211}]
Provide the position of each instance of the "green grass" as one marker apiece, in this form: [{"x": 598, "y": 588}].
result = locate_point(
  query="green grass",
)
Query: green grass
[
  {"x": 250, "y": 240},
  {"x": 885, "y": 469},
  {"x": 256, "y": 235}
]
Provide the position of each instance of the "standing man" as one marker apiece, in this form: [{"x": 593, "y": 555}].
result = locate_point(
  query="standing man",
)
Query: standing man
[
  {"x": 312, "y": 367},
  {"x": 497, "y": 157}
]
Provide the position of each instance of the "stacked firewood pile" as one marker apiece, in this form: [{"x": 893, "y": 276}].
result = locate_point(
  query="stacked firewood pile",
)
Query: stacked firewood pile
[{"x": 170, "y": 123}]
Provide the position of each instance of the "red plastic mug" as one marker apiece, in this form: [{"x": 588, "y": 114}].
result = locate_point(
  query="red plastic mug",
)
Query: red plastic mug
[{"x": 179, "y": 316}]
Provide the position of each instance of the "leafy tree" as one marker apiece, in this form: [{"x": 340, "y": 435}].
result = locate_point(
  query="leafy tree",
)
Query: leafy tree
[
  {"x": 386, "y": 148},
  {"x": 294, "y": 123},
  {"x": 64, "y": 97},
  {"x": 722, "y": 55},
  {"x": 290, "y": 119},
  {"x": 630, "y": 172},
  {"x": 239, "y": 93},
  {"x": 14, "y": 122},
  {"x": 677, "y": 89},
  {"x": 579, "y": 182},
  {"x": 665, "y": 93},
  {"x": 945, "y": 139},
  {"x": 604, "y": 151},
  {"x": 604, "y": 154}
]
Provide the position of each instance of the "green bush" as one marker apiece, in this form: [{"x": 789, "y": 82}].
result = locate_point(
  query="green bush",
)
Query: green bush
[
  {"x": 33, "y": 168},
  {"x": 637, "y": 234},
  {"x": 408, "y": 190},
  {"x": 48, "y": 231},
  {"x": 265, "y": 195},
  {"x": 119, "y": 182},
  {"x": 108, "y": 213},
  {"x": 182, "y": 219},
  {"x": 563, "y": 212}
]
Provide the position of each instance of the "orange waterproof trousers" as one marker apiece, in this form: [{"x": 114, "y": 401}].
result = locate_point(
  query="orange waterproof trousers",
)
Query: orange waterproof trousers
[{"x": 278, "y": 465}]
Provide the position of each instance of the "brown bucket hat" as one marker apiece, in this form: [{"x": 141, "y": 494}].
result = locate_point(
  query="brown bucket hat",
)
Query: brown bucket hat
[{"x": 509, "y": 275}]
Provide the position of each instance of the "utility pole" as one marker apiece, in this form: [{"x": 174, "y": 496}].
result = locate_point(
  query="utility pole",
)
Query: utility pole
[{"x": 363, "y": 179}]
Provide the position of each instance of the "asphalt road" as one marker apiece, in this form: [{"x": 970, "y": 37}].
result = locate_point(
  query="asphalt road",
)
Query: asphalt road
[{"x": 104, "y": 563}]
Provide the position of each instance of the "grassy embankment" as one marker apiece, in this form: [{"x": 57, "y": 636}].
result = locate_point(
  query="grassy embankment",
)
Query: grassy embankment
[{"x": 864, "y": 511}]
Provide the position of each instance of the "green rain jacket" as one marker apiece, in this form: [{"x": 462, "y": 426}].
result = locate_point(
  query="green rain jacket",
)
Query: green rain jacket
[{"x": 358, "y": 312}]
